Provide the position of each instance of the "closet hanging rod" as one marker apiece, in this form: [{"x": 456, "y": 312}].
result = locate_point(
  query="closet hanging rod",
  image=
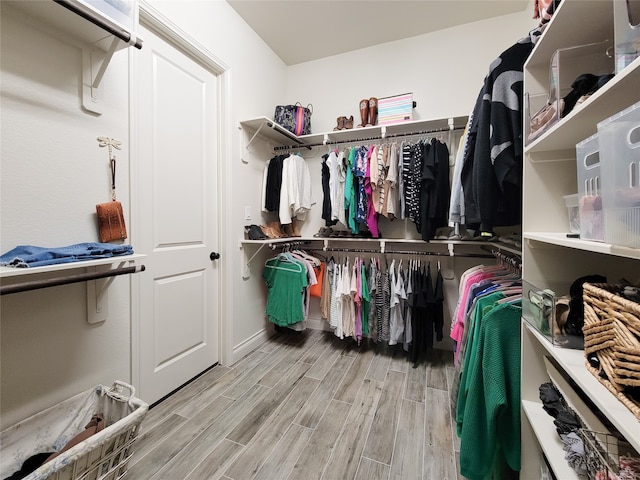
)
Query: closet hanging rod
[
  {"x": 100, "y": 22},
  {"x": 405, "y": 252},
  {"x": 293, "y": 243},
  {"x": 368, "y": 139},
  {"x": 54, "y": 282}
]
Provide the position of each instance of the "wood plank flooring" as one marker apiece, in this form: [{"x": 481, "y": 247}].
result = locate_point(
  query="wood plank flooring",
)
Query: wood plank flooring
[{"x": 306, "y": 406}]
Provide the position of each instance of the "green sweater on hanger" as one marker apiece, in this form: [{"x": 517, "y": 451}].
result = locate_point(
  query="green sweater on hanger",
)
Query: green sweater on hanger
[{"x": 491, "y": 424}]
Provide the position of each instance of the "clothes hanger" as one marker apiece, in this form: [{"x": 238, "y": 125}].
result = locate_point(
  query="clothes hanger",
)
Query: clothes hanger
[{"x": 298, "y": 267}]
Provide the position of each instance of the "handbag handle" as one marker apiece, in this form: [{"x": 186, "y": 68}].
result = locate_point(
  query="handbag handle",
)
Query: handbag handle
[{"x": 309, "y": 107}]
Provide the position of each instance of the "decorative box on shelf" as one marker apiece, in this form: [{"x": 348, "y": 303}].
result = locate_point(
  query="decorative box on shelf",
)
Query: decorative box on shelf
[{"x": 395, "y": 109}]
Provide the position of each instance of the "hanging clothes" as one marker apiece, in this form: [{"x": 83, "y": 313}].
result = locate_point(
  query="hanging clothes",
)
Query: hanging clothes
[
  {"x": 492, "y": 167},
  {"x": 392, "y": 205},
  {"x": 326, "y": 193},
  {"x": 490, "y": 425},
  {"x": 286, "y": 279},
  {"x": 456, "y": 203},
  {"x": 413, "y": 164},
  {"x": 295, "y": 192},
  {"x": 272, "y": 183},
  {"x": 435, "y": 191}
]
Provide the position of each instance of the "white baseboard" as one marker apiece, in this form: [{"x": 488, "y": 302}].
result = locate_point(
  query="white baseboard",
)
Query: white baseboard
[{"x": 250, "y": 344}]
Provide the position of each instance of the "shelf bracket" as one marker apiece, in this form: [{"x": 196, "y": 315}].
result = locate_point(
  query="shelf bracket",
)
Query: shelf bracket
[
  {"x": 246, "y": 271},
  {"x": 95, "y": 60},
  {"x": 97, "y": 298},
  {"x": 254, "y": 136}
]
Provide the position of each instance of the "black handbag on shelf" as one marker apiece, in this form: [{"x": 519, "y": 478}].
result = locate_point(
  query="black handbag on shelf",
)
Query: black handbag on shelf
[{"x": 294, "y": 118}]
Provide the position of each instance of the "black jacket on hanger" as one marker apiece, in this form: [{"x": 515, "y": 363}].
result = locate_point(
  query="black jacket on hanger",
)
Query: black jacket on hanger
[{"x": 492, "y": 169}]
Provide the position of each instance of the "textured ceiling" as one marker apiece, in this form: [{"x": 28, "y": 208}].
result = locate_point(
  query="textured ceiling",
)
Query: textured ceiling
[{"x": 303, "y": 30}]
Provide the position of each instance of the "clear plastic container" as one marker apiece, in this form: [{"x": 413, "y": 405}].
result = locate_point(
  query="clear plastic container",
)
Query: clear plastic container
[
  {"x": 592, "y": 225},
  {"x": 626, "y": 25},
  {"x": 573, "y": 210},
  {"x": 620, "y": 158},
  {"x": 547, "y": 311}
]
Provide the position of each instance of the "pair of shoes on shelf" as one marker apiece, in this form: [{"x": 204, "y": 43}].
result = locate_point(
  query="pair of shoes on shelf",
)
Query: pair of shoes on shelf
[
  {"x": 344, "y": 123},
  {"x": 292, "y": 229},
  {"x": 273, "y": 230},
  {"x": 444, "y": 233},
  {"x": 368, "y": 112},
  {"x": 324, "y": 232},
  {"x": 254, "y": 232},
  {"x": 514, "y": 239},
  {"x": 485, "y": 237},
  {"x": 449, "y": 233}
]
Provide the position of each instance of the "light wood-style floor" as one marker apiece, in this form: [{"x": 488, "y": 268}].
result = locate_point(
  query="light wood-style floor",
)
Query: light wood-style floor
[{"x": 306, "y": 406}]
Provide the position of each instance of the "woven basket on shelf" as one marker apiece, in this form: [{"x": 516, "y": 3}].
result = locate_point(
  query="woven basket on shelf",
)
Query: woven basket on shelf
[{"x": 612, "y": 331}]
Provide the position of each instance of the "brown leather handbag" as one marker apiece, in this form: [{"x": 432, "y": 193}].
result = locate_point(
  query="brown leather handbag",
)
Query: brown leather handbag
[{"x": 111, "y": 225}]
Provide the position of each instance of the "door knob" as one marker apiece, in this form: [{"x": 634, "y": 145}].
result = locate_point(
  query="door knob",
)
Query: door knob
[{"x": 214, "y": 255}]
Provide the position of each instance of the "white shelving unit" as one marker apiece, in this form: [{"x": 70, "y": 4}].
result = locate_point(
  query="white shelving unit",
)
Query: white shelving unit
[
  {"x": 100, "y": 270},
  {"x": 279, "y": 136},
  {"x": 550, "y": 258},
  {"x": 8, "y": 272},
  {"x": 275, "y": 135}
]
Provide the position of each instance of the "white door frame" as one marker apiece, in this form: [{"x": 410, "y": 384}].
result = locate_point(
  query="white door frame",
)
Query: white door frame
[{"x": 160, "y": 25}]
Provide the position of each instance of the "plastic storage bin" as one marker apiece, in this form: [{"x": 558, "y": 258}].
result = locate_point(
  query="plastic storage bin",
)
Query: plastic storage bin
[
  {"x": 592, "y": 225},
  {"x": 619, "y": 138},
  {"x": 573, "y": 210},
  {"x": 567, "y": 64},
  {"x": 626, "y": 25},
  {"x": 104, "y": 455},
  {"x": 546, "y": 311}
]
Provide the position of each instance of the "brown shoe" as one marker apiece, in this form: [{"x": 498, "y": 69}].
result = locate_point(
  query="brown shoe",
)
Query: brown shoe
[
  {"x": 364, "y": 112},
  {"x": 348, "y": 123},
  {"x": 373, "y": 111},
  {"x": 340, "y": 121},
  {"x": 295, "y": 227},
  {"x": 267, "y": 231},
  {"x": 288, "y": 230},
  {"x": 276, "y": 230}
]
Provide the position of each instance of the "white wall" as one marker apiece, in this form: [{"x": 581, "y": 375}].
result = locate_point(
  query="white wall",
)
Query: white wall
[
  {"x": 53, "y": 174},
  {"x": 443, "y": 69}
]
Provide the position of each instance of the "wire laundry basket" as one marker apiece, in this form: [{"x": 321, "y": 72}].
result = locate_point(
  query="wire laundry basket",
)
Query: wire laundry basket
[{"x": 103, "y": 456}]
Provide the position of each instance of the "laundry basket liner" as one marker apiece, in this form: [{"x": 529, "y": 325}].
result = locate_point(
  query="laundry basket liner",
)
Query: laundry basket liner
[{"x": 51, "y": 429}]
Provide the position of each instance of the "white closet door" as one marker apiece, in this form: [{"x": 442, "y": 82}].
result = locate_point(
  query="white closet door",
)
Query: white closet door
[{"x": 176, "y": 176}]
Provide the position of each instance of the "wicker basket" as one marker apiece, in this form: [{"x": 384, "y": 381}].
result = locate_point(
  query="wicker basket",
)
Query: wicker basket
[
  {"x": 612, "y": 331},
  {"x": 102, "y": 456}
]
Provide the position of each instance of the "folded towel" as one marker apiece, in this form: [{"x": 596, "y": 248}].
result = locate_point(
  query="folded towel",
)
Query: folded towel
[{"x": 24, "y": 256}]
